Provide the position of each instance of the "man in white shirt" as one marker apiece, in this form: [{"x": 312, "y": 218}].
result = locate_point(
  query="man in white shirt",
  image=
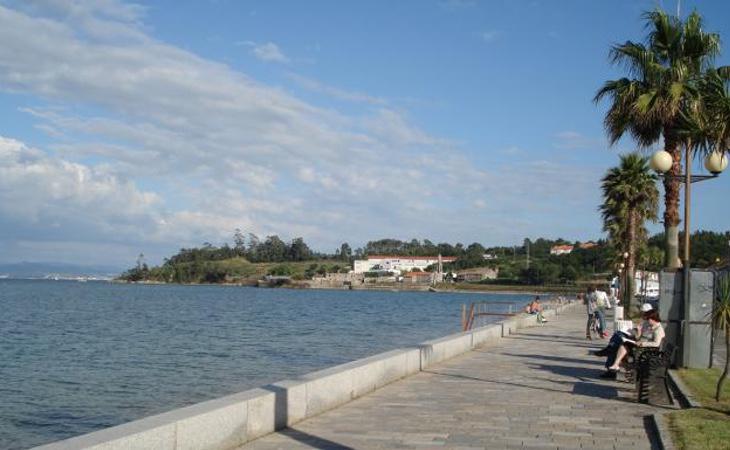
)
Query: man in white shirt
[
  {"x": 602, "y": 299},
  {"x": 602, "y": 304}
]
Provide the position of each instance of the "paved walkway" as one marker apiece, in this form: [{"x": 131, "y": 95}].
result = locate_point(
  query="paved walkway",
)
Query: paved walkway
[{"x": 536, "y": 389}]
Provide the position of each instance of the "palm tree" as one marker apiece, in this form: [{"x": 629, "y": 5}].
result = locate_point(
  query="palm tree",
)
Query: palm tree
[
  {"x": 715, "y": 93},
  {"x": 663, "y": 74},
  {"x": 630, "y": 198},
  {"x": 721, "y": 320}
]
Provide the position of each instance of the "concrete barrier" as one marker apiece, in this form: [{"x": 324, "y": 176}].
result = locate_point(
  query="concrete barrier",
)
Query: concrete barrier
[
  {"x": 489, "y": 334},
  {"x": 224, "y": 422},
  {"x": 437, "y": 350},
  {"x": 329, "y": 388},
  {"x": 233, "y": 420}
]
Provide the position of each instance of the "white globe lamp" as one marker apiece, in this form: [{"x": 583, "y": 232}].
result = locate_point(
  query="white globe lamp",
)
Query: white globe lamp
[
  {"x": 716, "y": 162},
  {"x": 661, "y": 161}
]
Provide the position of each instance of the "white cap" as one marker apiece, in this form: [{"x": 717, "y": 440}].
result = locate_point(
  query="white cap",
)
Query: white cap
[{"x": 646, "y": 307}]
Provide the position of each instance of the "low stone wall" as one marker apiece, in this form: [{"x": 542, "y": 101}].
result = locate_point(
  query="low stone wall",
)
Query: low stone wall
[{"x": 231, "y": 421}]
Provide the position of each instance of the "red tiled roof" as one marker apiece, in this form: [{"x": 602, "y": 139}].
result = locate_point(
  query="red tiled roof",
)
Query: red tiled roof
[
  {"x": 562, "y": 247},
  {"x": 419, "y": 258}
]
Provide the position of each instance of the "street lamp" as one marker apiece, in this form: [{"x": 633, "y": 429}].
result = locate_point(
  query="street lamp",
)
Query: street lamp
[
  {"x": 620, "y": 289},
  {"x": 624, "y": 281},
  {"x": 715, "y": 163}
]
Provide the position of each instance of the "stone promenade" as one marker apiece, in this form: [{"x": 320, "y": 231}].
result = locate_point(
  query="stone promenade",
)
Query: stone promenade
[{"x": 536, "y": 389}]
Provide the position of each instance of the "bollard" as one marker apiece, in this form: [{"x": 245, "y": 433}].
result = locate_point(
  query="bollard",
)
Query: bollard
[{"x": 619, "y": 313}]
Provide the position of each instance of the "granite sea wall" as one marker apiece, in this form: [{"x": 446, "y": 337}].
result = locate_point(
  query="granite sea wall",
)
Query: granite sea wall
[{"x": 233, "y": 420}]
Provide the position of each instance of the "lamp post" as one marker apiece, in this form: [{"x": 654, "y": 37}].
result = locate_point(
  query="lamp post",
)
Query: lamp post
[
  {"x": 628, "y": 291},
  {"x": 620, "y": 289},
  {"x": 715, "y": 163},
  {"x": 622, "y": 285}
]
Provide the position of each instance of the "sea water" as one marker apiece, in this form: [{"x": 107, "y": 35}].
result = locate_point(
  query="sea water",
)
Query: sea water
[{"x": 78, "y": 357}]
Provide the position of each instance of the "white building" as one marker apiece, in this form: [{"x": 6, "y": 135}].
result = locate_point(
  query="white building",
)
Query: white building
[
  {"x": 561, "y": 249},
  {"x": 645, "y": 284},
  {"x": 400, "y": 264}
]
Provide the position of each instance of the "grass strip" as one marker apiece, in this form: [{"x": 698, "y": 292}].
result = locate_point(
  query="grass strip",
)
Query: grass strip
[{"x": 706, "y": 428}]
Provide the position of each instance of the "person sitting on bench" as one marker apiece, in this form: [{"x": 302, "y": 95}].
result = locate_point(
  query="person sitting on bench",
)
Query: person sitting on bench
[{"x": 650, "y": 334}]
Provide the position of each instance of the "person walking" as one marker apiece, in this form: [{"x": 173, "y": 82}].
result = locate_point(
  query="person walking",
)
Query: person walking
[
  {"x": 602, "y": 304},
  {"x": 590, "y": 301}
]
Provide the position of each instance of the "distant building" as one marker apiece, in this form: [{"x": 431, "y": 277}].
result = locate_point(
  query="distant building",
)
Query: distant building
[
  {"x": 646, "y": 283},
  {"x": 587, "y": 245},
  {"x": 477, "y": 274},
  {"x": 561, "y": 249},
  {"x": 489, "y": 256},
  {"x": 400, "y": 264},
  {"x": 418, "y": 277}
]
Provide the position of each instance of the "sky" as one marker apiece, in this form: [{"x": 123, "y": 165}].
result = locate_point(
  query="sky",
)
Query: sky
[{"x": 151, "y": 126}]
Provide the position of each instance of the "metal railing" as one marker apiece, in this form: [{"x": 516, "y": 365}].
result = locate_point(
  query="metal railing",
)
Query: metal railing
[{"x": 478, "y": 312}]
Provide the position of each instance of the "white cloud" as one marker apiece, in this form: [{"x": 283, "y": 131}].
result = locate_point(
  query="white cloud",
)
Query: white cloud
[
  {"x": 154, "y": 146},
  {"x": 37, "y": 189},
  {"x": 267, "y": 51},
  {"x": 337, "y": 93},
  {"x": 573, "y": 140}
]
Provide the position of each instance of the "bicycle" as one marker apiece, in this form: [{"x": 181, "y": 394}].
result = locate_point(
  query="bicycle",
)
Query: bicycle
[{"x": 593, "y": 328}]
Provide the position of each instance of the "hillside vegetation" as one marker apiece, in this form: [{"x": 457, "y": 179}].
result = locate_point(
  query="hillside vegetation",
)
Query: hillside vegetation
[{"x": 529, "y": 264}]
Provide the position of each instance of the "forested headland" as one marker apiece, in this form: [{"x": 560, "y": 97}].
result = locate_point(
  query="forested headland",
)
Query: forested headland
[{"x": 249, "y": 258}]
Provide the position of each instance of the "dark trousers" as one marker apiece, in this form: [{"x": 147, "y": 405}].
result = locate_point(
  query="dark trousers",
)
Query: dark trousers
[
  {"x": 612, "y": 348},
  {"x": 588, "y": 324}
]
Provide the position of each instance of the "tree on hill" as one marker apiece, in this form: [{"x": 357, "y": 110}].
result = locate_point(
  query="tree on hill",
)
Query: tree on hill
[
  {"x": 299, "y": 250},
  {"x": 345, "y": 252}
]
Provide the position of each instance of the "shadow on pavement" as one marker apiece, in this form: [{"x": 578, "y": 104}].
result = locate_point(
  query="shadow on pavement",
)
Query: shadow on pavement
[
  {"x": 582, "y": 373},
  {"x": 588, "y": 389},
  {"x": 573, "y": 342},
  {"x": 540, "y": 337},
  {"x": 596, "y": 390},
  {"x": 588, "y": 360},
  {"x": 651, "y": 433},
  {"x": 312, "y": 441},
  {"x": 281, "y": 415}
]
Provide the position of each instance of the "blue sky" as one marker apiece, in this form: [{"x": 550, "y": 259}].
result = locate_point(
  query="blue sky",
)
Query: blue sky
[{"x": 146, "y": 127}]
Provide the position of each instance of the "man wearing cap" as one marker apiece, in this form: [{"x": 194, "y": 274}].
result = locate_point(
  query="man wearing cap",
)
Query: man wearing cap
[{"x": 650, "y": 334}]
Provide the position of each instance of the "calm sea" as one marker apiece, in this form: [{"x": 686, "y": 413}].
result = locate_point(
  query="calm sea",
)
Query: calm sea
[{"x": 77, "y": 357}]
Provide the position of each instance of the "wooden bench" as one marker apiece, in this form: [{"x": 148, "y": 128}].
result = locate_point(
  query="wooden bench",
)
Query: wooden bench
[{"x": 648, "y": 368}]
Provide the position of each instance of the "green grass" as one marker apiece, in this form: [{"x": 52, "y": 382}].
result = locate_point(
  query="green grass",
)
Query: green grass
[
  {"x": 237, "y": 270},
  {"x": 700, "y": 429},
  {"x": 240, "y": 268},
  {"x": 706, "y": 428},
  {"x": 702, "y": 383}
]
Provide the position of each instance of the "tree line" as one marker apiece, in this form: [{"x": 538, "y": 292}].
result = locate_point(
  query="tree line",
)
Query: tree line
[{"x": 214, "y": 264}]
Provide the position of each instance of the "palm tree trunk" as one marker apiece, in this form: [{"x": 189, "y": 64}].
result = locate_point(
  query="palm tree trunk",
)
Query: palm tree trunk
[
  {"x": 671, "y": 201},
  {"x": 721, "y": 381},
  {"x": 631, "y": 262}
]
